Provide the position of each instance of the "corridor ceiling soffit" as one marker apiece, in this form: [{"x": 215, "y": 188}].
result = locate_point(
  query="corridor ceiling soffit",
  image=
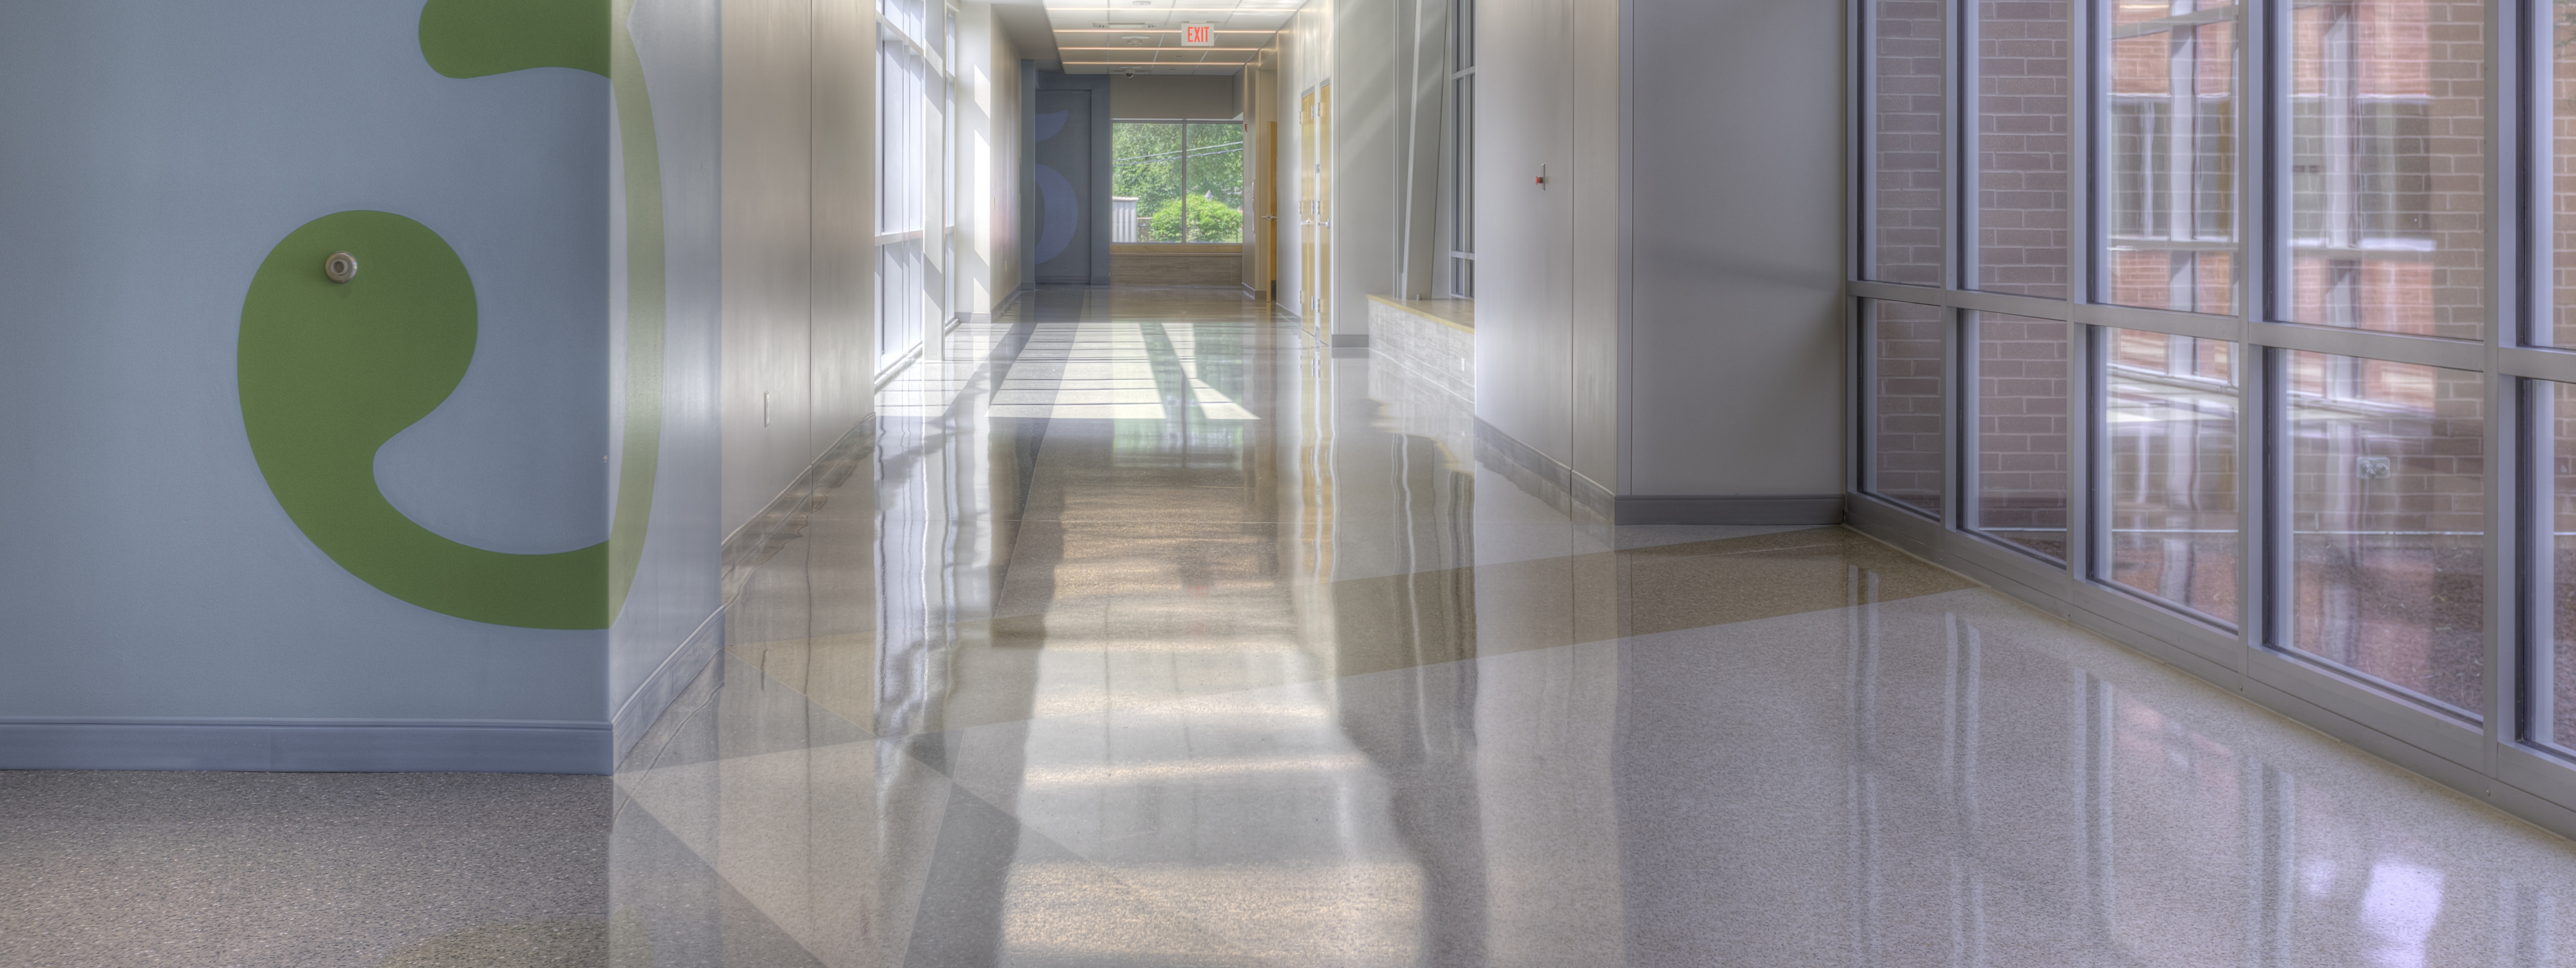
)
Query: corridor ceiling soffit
[
  {"x": 1105, "y": 36},
  {"x": 1025, "y": 23}
]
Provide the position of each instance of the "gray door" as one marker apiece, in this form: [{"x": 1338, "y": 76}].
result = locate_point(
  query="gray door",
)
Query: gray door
[{"x": 1064, "y": 160}]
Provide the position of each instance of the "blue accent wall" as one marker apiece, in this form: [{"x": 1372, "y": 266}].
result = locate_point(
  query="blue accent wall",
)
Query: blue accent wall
[{"x": 151, "y": 154}]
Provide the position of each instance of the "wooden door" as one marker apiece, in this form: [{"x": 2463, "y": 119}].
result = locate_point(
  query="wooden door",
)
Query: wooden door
[
  {"x": 1323, "y": 142},
  {"x": 1308, "y": 174},
  {"x": 1270, "y": 211}
]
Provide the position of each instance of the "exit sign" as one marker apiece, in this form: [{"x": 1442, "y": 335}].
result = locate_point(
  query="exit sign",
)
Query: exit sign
[{"x": 1198, "y": 35}]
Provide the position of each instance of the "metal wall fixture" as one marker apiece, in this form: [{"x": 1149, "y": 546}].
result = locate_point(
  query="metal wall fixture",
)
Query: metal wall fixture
[{"x": 340, "y": 267}]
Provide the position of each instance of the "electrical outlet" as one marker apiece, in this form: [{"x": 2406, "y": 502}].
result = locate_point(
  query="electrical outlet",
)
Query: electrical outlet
[{"x": 2371, "y": 468}]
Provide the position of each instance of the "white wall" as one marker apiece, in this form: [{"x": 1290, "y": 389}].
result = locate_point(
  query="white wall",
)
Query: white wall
[
  {"x": 1368, "y": 152},
  {"x": 989, "y": 101}
]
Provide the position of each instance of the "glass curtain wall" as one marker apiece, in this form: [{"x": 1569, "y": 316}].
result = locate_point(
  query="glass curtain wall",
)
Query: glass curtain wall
[
  {"x": 2241, "y": 325},
  {"x": 1179, "y": 181},
  {"x": 914, "y": 111}
]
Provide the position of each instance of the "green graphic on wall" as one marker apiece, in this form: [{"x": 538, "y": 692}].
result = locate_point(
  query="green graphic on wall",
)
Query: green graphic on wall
[
  {"x": 330, "y": 371},
  {"x": 472, "y": 38}
]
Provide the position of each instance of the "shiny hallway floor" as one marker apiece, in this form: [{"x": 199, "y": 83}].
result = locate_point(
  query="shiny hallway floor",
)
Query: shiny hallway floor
[{"x": 1154, "y": 633}]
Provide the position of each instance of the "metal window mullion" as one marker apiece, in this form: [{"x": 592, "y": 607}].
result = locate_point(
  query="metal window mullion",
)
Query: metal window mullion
[
  {"x": 2536, "y": 545},
  {"x": 2081, "y": 408},
  {"x": 2267, "y": 593},
  {"x": 2263, "y": 455},
  {"x": 2370, "y": 344},
  {"x": 1961, "y": 438},
  {"x": 2088, "y": 516},
  {"x": 2508, "y": 568}
]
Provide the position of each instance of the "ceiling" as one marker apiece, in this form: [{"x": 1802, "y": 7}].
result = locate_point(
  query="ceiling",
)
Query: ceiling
[{"x": 1105, "y": 36}]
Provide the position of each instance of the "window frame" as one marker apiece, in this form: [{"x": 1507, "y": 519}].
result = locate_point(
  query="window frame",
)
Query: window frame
[
  {"x": 2503, "y": 752},
  {"x": 1243, "y": 142}
]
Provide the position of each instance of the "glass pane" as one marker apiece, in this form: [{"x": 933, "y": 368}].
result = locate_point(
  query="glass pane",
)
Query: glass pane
[
  {"x": 1905, "y": 176},
  {"x": 2387, "y": 118},
  {"x": 2167, "y": 160},
  {"x": 1213, "y": 210},
  {"x": 2022, "y": 103},
  {"x": 2021, "y": 420},
  {"x": 1145, "y": 178},
  {"x": 2387, "y": 521},
  {"x": 2553, "y": 422},
  {"x": 2169, "y": 415},
  {"x": 2559, "y": 327},
  {"x": 1905, "y": 404}
]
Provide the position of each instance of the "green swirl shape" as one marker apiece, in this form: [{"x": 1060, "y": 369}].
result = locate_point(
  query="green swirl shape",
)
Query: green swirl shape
[
  {"x": 331, "y": 371},
  {"x": 473, "y": 38}
]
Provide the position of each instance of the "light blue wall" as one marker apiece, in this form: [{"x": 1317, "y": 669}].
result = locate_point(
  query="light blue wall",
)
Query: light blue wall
[{"x": 151, "y": 154}]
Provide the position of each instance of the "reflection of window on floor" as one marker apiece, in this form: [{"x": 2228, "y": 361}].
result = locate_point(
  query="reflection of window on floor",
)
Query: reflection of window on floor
[{"x": 1176, "y": 181}]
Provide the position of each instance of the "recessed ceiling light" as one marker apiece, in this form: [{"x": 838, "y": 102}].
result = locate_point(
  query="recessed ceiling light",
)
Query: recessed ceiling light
[
  {"x": 1124, "y": 26},
  {"x": 1136, "y": 40}
]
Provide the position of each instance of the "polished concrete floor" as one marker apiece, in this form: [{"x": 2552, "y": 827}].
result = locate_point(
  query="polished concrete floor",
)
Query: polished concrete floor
[{"x": 1148, "y": 631}]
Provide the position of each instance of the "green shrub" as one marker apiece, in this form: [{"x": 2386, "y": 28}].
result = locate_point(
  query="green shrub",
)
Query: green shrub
[{"x": 1209, "y": 221}]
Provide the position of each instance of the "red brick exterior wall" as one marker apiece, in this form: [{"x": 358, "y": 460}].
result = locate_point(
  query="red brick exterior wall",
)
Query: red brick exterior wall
[
  {"x": 1905, "y": 120},
  {"x": 2023, "y": 98}
]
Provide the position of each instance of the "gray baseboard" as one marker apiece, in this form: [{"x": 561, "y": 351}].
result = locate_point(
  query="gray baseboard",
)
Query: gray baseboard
[
  {"x": 304, "y": 745},
  {"x": 668, "y": 680},
  {"x": 1747, "y": 509},
  {"x": 1588, "y": 502}
]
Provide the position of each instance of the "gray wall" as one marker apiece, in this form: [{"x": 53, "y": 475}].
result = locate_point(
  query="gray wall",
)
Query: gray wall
[
  {"x": 1664, "y": 316},
  {"x": 1737, "y": 242},
  {"x": 1524, "y": 233},
  {"x": 799, "y": 230},
  {"x": 1368, "y": 154},
  {"x": 1194, "y": 97}
]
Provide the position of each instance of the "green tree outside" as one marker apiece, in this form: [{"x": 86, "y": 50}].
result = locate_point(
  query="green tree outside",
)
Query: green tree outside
[{"x": 1192, "y": 171}]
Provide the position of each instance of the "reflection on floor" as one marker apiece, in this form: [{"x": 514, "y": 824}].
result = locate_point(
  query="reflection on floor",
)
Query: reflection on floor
[
  {"x": 1155, "y": 633},
  {"x": 1162, "y": 635}
]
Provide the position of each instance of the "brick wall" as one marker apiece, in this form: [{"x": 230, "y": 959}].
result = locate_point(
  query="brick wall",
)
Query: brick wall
[
  {"x": 1905, "y": 176},
  {"x": 2388, "y": 146},
  {"x": 2169, "y": 161},
  {"x": 1905, "y": 381},
  {"x": 2022, "y": 425},
  {"x": 2023, "y": 96}
]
